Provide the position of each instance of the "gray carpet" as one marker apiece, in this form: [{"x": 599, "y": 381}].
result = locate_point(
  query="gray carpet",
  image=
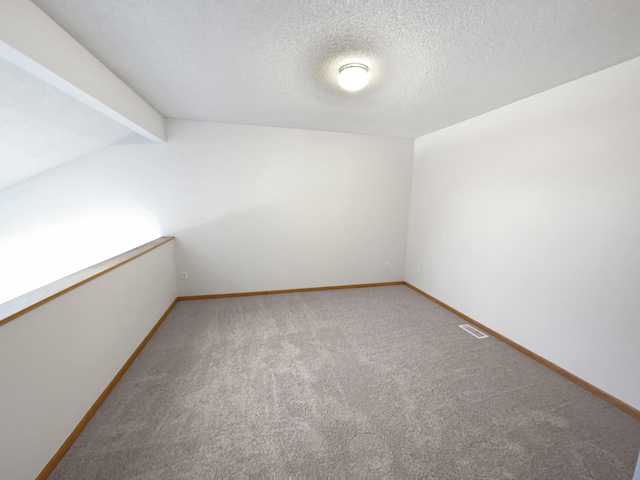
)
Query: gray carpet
[{"x": 362, "y": 382}]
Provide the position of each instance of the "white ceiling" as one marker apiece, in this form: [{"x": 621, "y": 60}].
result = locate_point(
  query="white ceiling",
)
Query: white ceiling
[
  {"x": 433, "y": 63},
  {"x": 41, "y": 127}
]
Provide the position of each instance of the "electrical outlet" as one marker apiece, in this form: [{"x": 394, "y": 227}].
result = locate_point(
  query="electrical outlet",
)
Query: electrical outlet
[
  {"x": 184, "y": 275},
  {"x": 387, "y": 265},
  {"x": 418, "y": 270}
]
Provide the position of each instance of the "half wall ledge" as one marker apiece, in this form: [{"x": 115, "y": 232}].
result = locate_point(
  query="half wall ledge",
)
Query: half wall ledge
[{"x": 20, "y": 305}]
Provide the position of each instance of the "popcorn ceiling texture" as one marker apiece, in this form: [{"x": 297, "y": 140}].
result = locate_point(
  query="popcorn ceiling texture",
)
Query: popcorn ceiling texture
[
  {"x": 433, "y": 63},
  {"x": 42, "y": 127}
]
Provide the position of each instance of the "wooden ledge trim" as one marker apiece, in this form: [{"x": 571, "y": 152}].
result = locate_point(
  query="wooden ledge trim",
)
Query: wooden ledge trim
[
  {"x": 46, "y": 471},
  {"x": 85, "y": 420},
  {"x": 294, "y": 290},
  {"x": 19, "y": 306},
  {"x": 626, "y": 408}
]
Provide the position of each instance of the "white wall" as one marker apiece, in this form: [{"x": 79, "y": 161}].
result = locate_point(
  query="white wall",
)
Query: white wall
[
  {"x": 527, "y": 220},
  {"x": 266, "y": 208},
  {"x": 56, "y": 360},
  {"x": 51, "y": 229},
  {"x": 252, "y": 208}
]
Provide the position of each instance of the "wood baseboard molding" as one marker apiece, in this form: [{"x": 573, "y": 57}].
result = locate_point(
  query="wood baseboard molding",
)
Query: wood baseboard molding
[
  {"x": 85, "y": 420},
  {"x": 635, "y": 413},
  {"x": 94, "y": 408},
  {"x": 294, "y": 290}
]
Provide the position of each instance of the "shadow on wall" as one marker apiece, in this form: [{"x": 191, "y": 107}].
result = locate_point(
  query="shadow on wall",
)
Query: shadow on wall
[{"x": 280, "y": 246}]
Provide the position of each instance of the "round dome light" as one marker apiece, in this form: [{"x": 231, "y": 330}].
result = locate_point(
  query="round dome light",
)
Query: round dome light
[{"x": 353, "y": 76}]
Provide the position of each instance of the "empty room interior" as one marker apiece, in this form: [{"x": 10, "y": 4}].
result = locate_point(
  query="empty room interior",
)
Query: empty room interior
[{"x": 319, "y": 239}]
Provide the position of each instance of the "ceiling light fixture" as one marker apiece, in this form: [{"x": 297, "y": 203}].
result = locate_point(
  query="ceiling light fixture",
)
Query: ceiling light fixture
[{"x": 353, "y": 76}]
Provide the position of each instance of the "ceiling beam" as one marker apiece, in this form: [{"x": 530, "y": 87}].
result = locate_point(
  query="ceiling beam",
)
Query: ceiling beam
[{"x": 34, "y": 42}]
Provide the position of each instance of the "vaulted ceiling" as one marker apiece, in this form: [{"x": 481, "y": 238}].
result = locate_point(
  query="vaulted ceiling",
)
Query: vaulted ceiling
[
  {"x": 433, "y": 64},
  {"x": 42, "y": 127}
]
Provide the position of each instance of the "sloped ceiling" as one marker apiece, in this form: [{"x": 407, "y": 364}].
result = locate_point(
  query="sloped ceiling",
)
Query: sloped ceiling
[
  {"x": 433, "y": 63},
  {"x": 41, "y": 127}
]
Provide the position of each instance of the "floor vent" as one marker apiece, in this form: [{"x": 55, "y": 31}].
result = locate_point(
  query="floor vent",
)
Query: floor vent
[{"x": 473, "y": 331}]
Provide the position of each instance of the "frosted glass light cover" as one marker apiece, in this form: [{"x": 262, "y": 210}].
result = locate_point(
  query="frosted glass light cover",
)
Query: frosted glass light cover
[{"x": 353, "y": 77}]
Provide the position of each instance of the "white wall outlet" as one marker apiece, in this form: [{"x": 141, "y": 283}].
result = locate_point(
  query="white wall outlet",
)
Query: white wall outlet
[
  {"x": 184, "y": 275},
  {"x": 387, "y": 265},
  {"x": 418, "y": 270}
]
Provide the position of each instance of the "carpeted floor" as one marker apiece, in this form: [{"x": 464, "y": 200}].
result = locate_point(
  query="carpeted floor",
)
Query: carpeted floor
[{"x": 361, "y": 382}]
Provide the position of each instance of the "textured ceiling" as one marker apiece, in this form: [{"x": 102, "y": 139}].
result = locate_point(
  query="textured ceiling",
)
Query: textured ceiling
[
  {"x": 41, "y": 127},
  {"x": 433, "y": 63}
]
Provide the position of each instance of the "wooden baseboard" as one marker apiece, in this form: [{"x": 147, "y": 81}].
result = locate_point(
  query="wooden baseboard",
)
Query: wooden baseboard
[
  {"x": 295, "y": 290},
  {"x": 94, "y": 408},
  {"x": 46, "y": 471},
  {"x": 626, "y": 408},
  {"x": 85, "y": 420}
]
